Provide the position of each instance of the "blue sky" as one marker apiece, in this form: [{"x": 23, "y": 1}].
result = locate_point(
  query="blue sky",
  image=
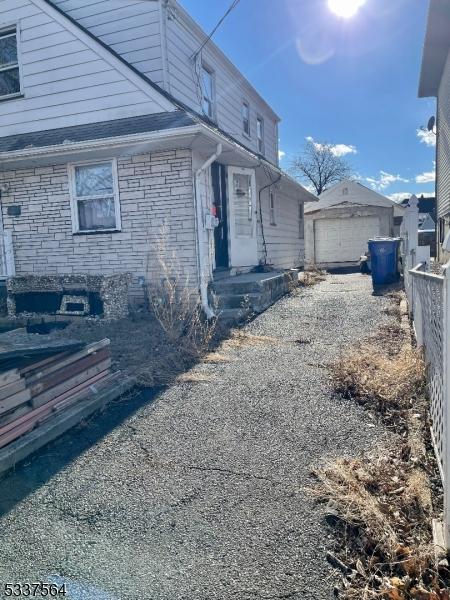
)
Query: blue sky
[{"x": 346, "y": 81}]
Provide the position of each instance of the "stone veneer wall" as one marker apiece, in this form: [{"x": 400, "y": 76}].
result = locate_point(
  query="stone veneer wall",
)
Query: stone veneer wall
[{"x": 155, "y": 190}]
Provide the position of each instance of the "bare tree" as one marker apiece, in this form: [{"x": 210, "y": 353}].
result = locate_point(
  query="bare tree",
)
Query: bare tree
[{"x": 320, "y": 166}]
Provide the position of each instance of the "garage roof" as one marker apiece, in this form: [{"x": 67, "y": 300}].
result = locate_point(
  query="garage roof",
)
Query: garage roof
[{"x": 350, "y": 192}]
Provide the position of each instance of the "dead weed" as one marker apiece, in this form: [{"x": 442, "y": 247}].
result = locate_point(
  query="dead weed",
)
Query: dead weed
[
  {"x": 371, "y": 375},
  {"x": 311, "y": 277},
  {"x": 242, "y": 339}
]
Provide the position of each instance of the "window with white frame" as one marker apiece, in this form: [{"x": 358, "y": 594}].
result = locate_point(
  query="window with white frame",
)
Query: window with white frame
[
  {"x": 260, "y": 134},
  {"x": 301, "y": 220},
  {"x": 95, "y": 197},
  {"x": 9, "y": 63},
  {"x": 207, "y": 85},
  {"x": 272, "y": 207},
  {"x": 246, "y": 118}
]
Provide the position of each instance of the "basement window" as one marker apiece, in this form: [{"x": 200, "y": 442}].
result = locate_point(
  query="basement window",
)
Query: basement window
[
  {"x": 9, "y": 64},
  {"x": 94, "y": 197}
]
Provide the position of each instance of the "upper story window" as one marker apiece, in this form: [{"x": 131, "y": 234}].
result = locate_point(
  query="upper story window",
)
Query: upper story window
[
  {"x": 246, "y": 118},
  {"x": 260, "y": 134},
  {"x": 207, "y": 83},
  {"x": 272, "y": 207},
  {"x": 345, "y": 191},
  {"x": 95, "y": 197},
  {"x": 301, "y": 220},
  {"x": 9, "y": 63}
]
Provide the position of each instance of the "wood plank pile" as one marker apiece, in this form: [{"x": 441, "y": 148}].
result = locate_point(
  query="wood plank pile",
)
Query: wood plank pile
[{"x": 39, "y": 379}]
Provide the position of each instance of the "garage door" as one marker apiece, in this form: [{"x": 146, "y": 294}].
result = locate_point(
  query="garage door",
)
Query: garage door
[{"x": 343, "y": 240}]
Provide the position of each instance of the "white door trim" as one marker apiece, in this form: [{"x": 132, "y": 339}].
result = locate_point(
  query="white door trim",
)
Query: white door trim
[{"x": 244, "y": 243}]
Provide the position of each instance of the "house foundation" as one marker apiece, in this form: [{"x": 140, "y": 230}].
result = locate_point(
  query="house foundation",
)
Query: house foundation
[{"x": 99, "y": 295}]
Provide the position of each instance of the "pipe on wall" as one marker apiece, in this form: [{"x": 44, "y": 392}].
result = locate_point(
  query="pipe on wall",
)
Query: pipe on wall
[{"x": 199, "y": 209}]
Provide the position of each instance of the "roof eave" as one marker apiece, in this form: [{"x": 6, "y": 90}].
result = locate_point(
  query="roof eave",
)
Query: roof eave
[{"x": 436, "y": 48}]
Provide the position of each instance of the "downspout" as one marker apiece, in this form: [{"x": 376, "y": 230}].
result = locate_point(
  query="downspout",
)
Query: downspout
[{"x": 199, "y": 209}]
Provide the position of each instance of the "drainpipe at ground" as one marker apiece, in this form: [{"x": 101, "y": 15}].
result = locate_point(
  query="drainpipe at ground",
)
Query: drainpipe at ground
[{"x": 200, "y": 214}]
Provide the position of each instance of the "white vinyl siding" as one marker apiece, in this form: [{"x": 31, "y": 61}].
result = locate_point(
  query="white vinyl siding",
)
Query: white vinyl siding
[
  {"x": 443, "y": 144},
  {"x": 183, "y": 41},
  {"x": 67, "y": 80},
  {"x": 280, "y": 246},
  {"x": 130, "y": 27}
]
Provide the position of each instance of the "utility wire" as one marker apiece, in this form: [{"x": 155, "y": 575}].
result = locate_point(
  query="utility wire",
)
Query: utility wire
[{"x": 230, "y": 9}]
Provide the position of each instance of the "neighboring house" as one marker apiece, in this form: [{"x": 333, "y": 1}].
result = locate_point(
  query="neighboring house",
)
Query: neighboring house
[
  {"x": 427, "y": 222},
  {"x": 338, "y": 227},
  {"x": 120, "y": 117},
  {"x": 435, "y": 82}
]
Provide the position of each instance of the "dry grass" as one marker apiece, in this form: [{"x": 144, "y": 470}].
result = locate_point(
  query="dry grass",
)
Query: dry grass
[
  {"x": 242, "y": 339},
  {"x": 373, "y": 376},
  {"x": 174, "y": 301},
  {"x": 394, "y": 311},
  {"x": 312, "y": 276},
  {"x": 194, "y": 377},
  {"x": 382, "y": 505},
  {"x": 384, "y": 510},
  {"x": 216, "y": 357}
]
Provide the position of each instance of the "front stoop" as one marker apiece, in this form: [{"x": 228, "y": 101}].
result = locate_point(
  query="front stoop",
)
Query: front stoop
[{"x": 240, "y": 297}]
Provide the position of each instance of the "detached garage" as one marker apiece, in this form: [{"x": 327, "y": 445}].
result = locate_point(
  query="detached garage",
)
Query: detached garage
[{"x": 338, "y": 227}]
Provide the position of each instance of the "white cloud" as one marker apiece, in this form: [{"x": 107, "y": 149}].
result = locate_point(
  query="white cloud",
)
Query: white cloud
[
  {"x": 281, "y": 154},
  {"x": 427, "y": 137},
  {"x": 399, "y": 196},
  {"x": 384, "y": 180},
  {"x": 428, "y": 176},
  {"x": 336, "y": 149}
]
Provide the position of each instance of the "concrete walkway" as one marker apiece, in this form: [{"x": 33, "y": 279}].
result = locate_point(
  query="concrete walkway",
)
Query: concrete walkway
[{"x": 200, "y": 494}]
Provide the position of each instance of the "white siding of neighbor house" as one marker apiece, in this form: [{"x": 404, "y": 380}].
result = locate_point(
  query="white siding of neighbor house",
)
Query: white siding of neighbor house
[
  {"x": 443, "y": 144},
  {"x": 66, "y": 80},
  {"x": 155, "y": 191},
  {"x": 130, "y": 27},
  {"x": 284, "y": 242},
  {"x": 230, "y": 86}
]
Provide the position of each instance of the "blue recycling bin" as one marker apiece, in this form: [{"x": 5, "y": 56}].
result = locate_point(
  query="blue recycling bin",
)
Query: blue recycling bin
[{"x": 384, "y": 259}]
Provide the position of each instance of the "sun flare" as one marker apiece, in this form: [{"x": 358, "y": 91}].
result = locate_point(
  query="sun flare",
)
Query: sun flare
[{"x": 345, "y": 8}]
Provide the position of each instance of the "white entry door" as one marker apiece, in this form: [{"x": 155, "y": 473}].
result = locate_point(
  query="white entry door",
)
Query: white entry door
[
  {"x": 343, "y": 240},
  {"x": 242, "y": 211}
]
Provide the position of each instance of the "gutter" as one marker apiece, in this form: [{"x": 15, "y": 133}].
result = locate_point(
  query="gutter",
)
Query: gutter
[
  {"x": 201, "y": 258},
  {"x": 112, "y": 142}
]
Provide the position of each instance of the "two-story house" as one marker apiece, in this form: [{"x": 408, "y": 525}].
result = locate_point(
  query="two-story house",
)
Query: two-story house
[
  {"x": 120, "y": 117},
  {"x": 435, "y": 82}
]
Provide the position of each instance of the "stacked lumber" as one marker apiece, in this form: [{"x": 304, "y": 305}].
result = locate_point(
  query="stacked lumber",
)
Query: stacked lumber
[{"x": 35, "y": 384}]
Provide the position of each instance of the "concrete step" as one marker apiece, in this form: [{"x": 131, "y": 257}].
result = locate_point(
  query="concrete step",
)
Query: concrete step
[
  {"x": 239, "y": 297},
  {"x": 248, "y": 284}
]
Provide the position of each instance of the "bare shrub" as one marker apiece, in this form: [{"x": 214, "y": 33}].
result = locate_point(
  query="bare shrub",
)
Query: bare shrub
[{"x": 175, "y": 302}]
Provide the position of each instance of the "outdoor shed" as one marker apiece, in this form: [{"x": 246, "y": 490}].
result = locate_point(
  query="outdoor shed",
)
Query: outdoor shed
[{"x": 338, "y": 227}]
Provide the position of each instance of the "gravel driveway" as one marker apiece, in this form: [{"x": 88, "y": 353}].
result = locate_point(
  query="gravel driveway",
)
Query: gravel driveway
[{"x": 200, "y": 494}]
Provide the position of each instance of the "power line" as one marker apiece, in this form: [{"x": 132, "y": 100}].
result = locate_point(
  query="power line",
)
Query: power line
[{"x": 230, "y": 9}]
